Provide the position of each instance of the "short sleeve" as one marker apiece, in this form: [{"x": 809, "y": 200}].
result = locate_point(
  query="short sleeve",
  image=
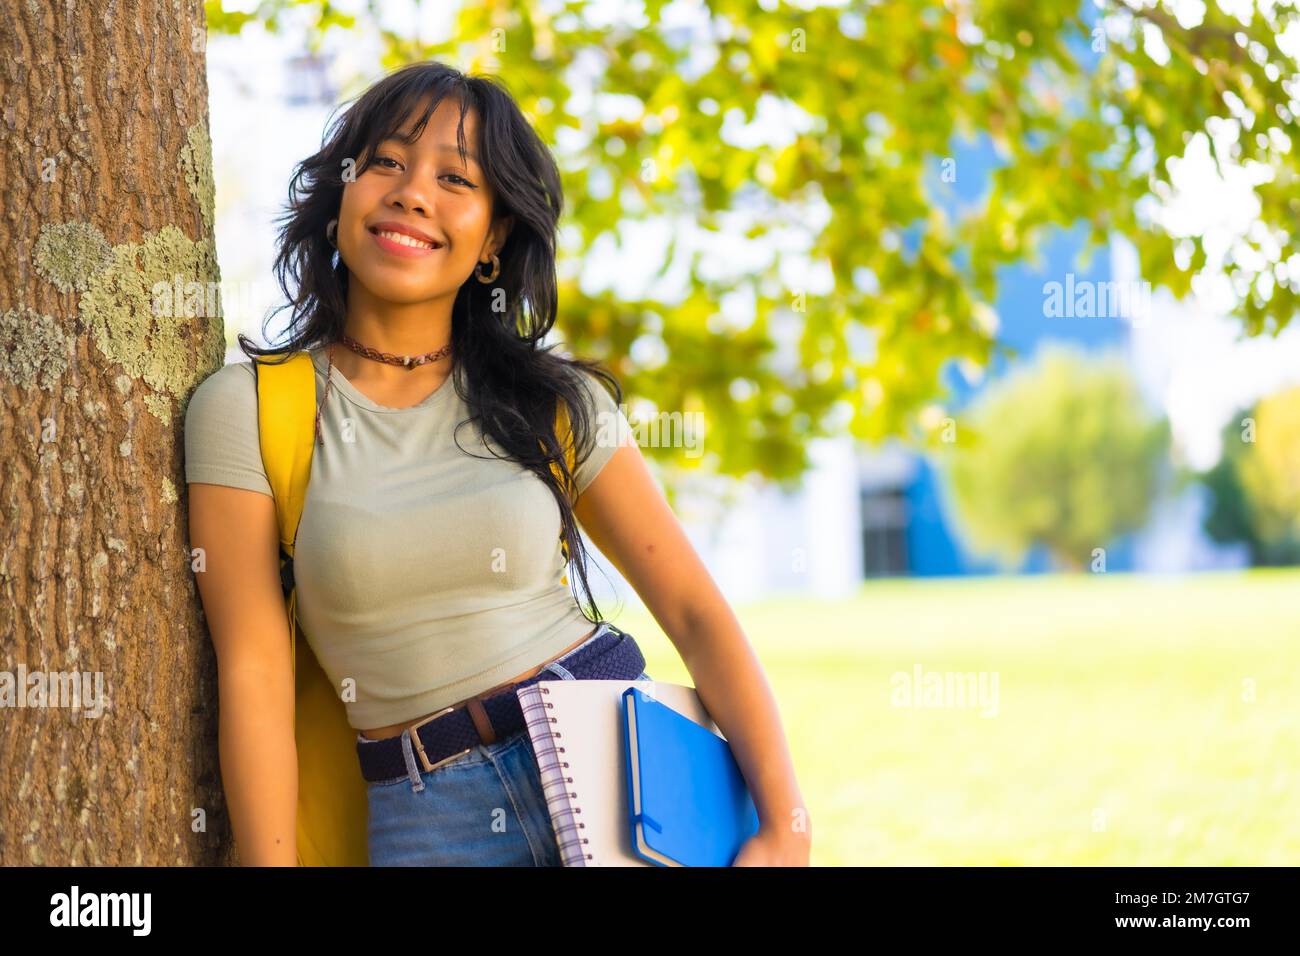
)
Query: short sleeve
[
  {"x": 609, "y": 429},
  {"x": 222, "y": 446}
]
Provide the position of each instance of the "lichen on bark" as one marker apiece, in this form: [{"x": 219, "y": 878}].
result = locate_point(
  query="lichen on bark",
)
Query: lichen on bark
[
  {"x": 196, "y": 167},
  {"x": 68, "y": 254},
  {"x": 159, "y": 349},
  {"x": 33, "y": 349}
]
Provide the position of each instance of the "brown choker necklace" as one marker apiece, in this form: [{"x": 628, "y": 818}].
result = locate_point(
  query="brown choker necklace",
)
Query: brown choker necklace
[{"x": 406, "y": 361}]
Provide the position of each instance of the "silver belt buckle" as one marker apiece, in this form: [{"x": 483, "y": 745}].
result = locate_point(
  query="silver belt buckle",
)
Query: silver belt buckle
[{"x": 419, "y": 744}]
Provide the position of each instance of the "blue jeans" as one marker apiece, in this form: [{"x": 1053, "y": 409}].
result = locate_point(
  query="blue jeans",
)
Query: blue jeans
[{"x": 485, "y": 808}]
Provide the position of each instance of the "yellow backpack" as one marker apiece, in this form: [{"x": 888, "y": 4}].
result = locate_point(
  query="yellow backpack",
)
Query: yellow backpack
[{"x": 332, "y": 804}]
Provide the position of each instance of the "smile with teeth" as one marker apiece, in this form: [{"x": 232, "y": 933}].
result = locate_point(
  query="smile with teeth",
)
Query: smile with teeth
[{"x": 405, "y": 240}]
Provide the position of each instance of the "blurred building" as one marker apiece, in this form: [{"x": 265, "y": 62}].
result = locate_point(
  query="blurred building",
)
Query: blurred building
[{"x": 877, "y": 512}]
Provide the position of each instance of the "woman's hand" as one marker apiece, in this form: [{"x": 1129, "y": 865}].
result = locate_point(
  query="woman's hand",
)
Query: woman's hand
[{"x": 775, "y": 847}]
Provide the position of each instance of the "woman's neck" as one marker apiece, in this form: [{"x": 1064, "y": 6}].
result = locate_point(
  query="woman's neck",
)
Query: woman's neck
[{"x": 415, "y": 329}]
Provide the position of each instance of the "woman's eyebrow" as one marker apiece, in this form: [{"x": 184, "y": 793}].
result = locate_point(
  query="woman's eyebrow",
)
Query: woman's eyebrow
[{"x": 444, "y": 147}]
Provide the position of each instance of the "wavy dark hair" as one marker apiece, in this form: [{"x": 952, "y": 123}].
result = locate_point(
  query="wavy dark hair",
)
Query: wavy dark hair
[{"x": 508, "y": 380}]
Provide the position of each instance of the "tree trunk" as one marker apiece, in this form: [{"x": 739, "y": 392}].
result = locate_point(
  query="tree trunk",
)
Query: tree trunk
[{"x": 108, "y": 747}]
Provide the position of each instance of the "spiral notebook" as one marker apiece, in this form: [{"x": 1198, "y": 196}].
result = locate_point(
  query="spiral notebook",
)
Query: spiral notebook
[{"x": 584, "y": 784}]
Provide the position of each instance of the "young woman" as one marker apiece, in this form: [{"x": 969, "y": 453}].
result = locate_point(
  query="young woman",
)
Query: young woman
[{"x": 418, "y": 255}]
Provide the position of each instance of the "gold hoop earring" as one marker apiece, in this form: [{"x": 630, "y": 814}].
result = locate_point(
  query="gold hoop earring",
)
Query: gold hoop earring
[{"x": 496, "y": 270}]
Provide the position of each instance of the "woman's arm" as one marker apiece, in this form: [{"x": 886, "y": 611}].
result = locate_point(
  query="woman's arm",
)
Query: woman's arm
[
  {"x": 627, "y": 517},
  {"x": 244, "y": 605}
]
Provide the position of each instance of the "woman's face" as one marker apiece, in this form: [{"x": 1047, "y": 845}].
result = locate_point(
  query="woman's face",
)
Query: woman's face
[{"x": 423, "y": 187}]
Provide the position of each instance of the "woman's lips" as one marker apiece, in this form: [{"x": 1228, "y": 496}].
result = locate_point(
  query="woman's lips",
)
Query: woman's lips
[{"x": 397, "y": 249}]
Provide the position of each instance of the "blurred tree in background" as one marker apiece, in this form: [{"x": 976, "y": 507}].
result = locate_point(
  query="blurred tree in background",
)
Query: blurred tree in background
[
  {"x": 1058, "y": 453},
  {"x": 1256, "y": 484},
  {"x": 838, "y": 240}
]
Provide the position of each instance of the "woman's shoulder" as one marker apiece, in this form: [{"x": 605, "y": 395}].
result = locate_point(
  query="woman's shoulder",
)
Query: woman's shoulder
[
  {"x": 234, "y": 384},
  {"x": 595, "y": 390},
  {"x": 221, "y": 430},
  {"x": 607, "y": 427}
]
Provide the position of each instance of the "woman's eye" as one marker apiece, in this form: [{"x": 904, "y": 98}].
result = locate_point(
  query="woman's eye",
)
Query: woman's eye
[{"x": 461, "y": 180}]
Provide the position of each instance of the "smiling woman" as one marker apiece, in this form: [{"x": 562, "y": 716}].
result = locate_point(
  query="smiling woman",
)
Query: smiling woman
[
  {"x": 428, "y": 527},
  {"x": 417, "y": 257}
]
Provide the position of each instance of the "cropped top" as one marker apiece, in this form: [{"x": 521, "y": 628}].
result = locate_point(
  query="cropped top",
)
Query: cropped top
[{"x": 425, "y": 574}]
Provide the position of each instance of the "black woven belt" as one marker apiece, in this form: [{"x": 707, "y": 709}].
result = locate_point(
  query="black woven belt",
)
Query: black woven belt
[{"x": 456, "y": 730}]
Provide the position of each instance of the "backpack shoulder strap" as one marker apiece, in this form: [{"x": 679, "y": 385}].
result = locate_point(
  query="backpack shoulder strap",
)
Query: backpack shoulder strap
[
  {"x": 564, "y": 435},
  {"x": 286, "y": 412},
  {"x": 332, "y": 796}
]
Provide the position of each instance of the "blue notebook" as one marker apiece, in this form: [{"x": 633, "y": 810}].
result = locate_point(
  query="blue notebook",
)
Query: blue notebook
[{"x": 688, "y": 804}]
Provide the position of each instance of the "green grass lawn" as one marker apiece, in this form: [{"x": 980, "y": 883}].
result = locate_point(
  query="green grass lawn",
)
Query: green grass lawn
[{"x": 1138, "y": 720}]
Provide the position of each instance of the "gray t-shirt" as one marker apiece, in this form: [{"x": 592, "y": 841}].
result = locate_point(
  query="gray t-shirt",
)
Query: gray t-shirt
[{"x": 424, "y": 575}]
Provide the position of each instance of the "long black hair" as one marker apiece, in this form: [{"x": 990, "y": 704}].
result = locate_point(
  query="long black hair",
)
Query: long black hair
[{"x": 508, "y": 380}]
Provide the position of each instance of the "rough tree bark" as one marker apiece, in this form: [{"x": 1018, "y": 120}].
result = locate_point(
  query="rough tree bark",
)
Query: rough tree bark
[{"x": 107, "y": 200}]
